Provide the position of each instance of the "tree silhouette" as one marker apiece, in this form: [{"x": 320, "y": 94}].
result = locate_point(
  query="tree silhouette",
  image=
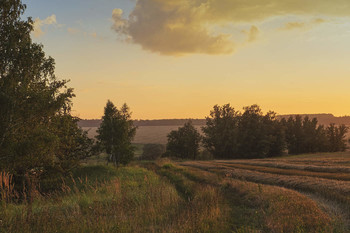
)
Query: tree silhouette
[
  {"x": 116, "y": 133},
  {"x": 184, "y": 142},
  {"x": 221, "y": 132}
]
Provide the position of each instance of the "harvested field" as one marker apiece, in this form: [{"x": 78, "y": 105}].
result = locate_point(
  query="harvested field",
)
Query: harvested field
[{"x": 323, "y": 177}]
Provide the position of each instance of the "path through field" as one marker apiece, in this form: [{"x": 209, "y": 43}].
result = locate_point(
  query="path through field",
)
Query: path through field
[{"x": 323, "y": 177}]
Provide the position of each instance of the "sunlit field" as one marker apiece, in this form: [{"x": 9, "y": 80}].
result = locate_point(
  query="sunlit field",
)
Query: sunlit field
[{"x": 146, "y": 134}]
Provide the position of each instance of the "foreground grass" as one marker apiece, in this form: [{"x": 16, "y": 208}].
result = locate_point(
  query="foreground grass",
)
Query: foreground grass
[
  {"x": 165, "y": 197},
  {"x": 130, "y": 199}
]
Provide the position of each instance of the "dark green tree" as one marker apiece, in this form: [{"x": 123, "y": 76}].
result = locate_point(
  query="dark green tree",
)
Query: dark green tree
[
  {"x": 336, "y": 137},
  {"x": 33, "y": 102},
  {"x": 295, "y": 135},
  {"x": 221, "y": 132},
  {"x": 116, "y": 133},
  {"x": 260, "y": 135},
  {"x": 306, "y": 136},
  {"x": 184, "y": 142},
  {"x": 253, "y": 140},
  {"x": 275, "y": 132}
]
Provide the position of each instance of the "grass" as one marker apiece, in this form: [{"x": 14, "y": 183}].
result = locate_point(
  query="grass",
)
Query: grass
[
  {"x": 193, "y": 196},
  {"x": 105, "y": 199},
  {"x": 289, "y": 171},
  {"x": 328, "y": 189}
]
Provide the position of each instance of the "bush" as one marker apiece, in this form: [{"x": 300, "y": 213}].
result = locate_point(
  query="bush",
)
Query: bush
[
  {"x": 205, "y": 155},
  {"x": 152, "y": 151}
]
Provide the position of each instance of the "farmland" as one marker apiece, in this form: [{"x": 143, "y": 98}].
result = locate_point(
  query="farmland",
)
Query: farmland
[
  {"x": 305, "y": 193},
  {"x": 146, "y": 134}
]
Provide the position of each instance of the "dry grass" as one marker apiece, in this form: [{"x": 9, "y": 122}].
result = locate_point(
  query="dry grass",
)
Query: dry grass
[
  {"x": 218, "y": 196},
  {"x": 328, "y": 168},
  {"x": 331, "y": 187},
  {"x": 263, "y": 208},
  {"x": 133, "y": 200},
  {"x": 7, "y": 192},
  {"x": 326, "y": 187},
  {"x": 282, "y": 210},
  {"x": 294, "y": 172}
]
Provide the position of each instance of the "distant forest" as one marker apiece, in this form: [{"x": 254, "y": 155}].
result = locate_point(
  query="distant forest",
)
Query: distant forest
[{"x": 323, "y": 119}]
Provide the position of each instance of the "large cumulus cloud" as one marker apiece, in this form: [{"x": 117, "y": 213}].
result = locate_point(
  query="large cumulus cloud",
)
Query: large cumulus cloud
[{"x": 177, "y": 27}]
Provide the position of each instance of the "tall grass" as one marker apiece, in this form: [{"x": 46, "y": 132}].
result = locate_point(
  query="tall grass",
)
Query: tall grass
[
  {"x": 129, "y": 199},
  {"x": 167, "y": 197},
  {"x": 7, "y": 191}
]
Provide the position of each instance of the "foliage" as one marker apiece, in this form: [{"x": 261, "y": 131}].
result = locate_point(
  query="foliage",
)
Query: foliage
[
  {"x": 116, "y": 133},
  {"x": 74, "y": 144},
  {"x": 34, "y": 104},
  {"x": 306, "y": 136},
  {"x": 221, "y": 132},
  {"x": 152, "y": 151},
  {"x": 184, "y": 142},
  {"x": 336, "y": 137},
  {"x": 231, "y": 134},
  {"x": 259, "y": 135}
]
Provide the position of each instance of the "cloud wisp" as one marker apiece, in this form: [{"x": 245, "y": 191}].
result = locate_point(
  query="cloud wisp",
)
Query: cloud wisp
[
  {"x": 39, "y": 24},
  {"x": 302, "y": 25},
  {"x": 179, "y": 27}
]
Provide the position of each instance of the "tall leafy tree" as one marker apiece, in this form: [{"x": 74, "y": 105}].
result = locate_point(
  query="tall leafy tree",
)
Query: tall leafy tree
[
  {"x": 184, "y": 142},
  {"x": 33, "y": 102},
  {"x": 260, "y": 135},
  {"x": 275, "y": 132},
  {"x": 221, "y": 132},
  {"x": 295, "y": 135},
  {"x": 336, "y": 137},
  {"x": 116, "y": 133},
  {"x": 253, "y": 141}
]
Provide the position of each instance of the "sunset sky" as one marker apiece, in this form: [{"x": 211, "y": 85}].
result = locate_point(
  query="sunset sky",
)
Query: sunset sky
[{"x": 178, "y": 58}]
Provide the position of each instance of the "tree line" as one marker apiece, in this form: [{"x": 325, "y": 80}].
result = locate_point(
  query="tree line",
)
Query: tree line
[{"x": 230, "y": 134}]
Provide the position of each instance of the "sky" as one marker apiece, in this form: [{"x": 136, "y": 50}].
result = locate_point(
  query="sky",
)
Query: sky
[{"x": 178, "y": 58}]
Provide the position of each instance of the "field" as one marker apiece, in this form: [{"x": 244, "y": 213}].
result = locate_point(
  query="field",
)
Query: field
[
  {"x": 146, "y": 134},
  {"x": 306, "y": 193}
]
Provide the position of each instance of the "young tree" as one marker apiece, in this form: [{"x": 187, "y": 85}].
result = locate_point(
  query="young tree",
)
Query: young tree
[
  {"x": 184, "y": 142},
  {"x": 116, "y": 133}
]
